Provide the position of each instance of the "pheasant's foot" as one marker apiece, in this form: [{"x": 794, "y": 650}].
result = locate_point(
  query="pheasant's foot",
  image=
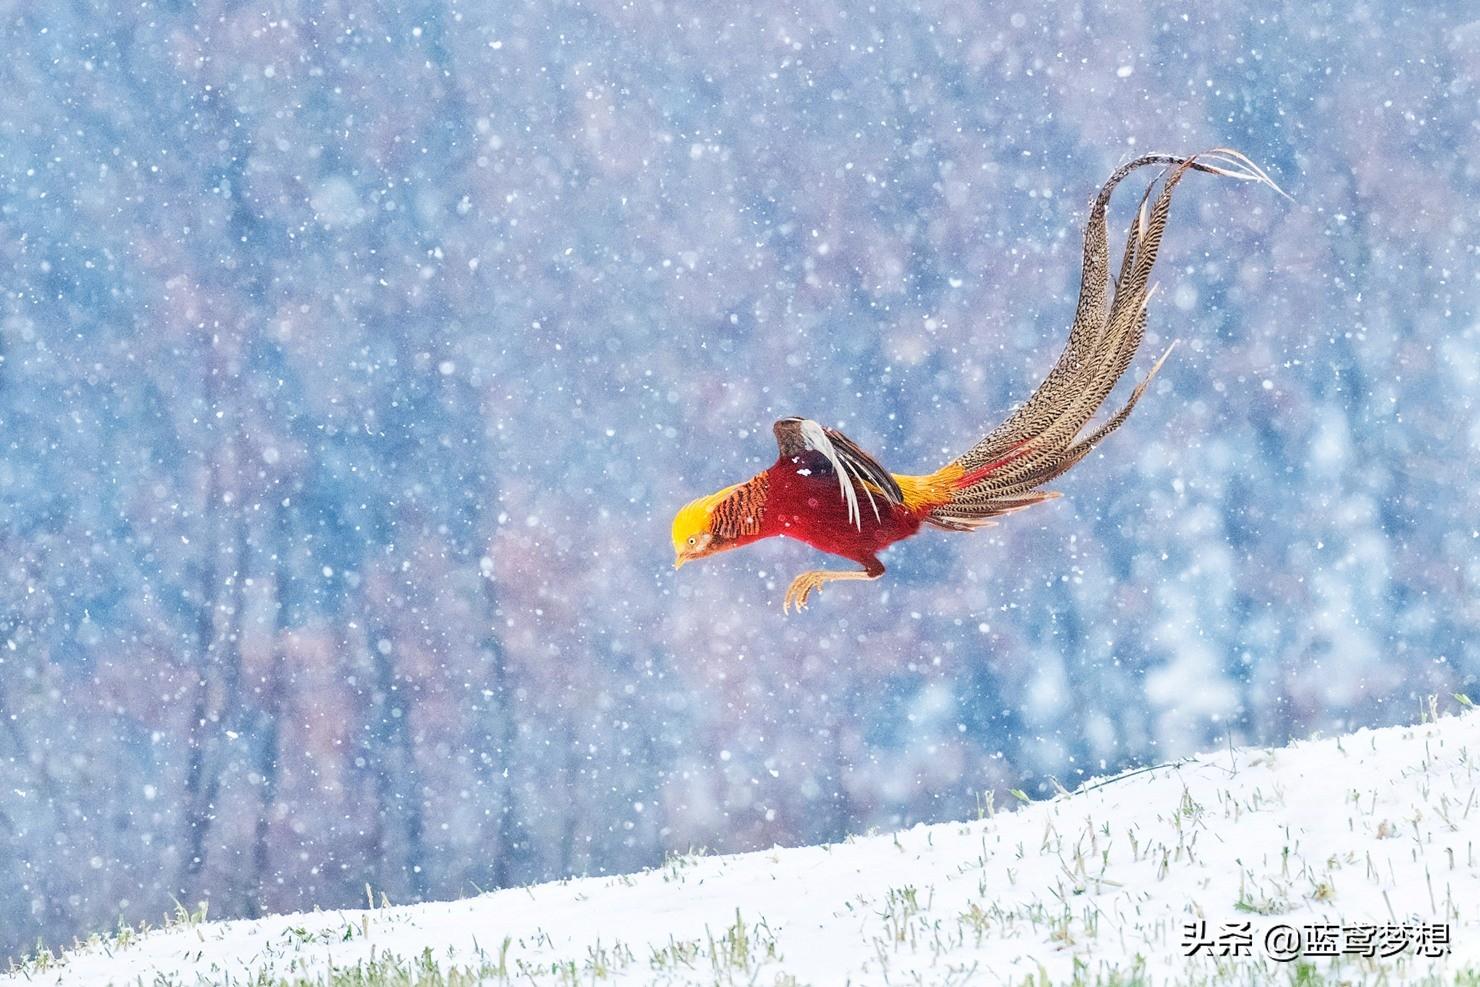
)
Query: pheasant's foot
[{"x": 803, "y": 586}]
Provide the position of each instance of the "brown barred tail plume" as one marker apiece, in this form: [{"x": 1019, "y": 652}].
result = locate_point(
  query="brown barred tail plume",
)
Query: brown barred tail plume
[{"x": 1041, "y": 439}]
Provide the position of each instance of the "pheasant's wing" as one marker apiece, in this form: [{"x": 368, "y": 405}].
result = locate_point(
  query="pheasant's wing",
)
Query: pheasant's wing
[{"x": 802, "y": 439}]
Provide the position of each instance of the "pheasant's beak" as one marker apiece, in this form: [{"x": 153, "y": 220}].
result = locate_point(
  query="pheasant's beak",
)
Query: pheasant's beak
[{"x": 678, "y": 562}]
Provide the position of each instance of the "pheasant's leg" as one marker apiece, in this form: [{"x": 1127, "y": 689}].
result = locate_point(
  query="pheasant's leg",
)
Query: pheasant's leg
[{"x": 808, "y": 583}]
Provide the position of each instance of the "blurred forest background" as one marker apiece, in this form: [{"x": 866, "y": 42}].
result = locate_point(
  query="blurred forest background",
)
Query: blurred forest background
[{"x": 354, "y": 357}]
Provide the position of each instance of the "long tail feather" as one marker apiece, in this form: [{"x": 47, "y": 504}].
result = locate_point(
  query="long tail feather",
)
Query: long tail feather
[{"x": 1040, "y": 440}]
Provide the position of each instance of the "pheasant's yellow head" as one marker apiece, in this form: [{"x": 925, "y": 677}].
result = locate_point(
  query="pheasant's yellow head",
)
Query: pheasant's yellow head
[{"x": 694, "y": 534}]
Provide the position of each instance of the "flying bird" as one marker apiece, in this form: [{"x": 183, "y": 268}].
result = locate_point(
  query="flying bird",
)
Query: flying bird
[{"x": 826, "y": 491}]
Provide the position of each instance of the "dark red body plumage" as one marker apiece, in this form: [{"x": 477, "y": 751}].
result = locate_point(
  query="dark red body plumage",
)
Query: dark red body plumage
[{"x": 805, "y": 505}]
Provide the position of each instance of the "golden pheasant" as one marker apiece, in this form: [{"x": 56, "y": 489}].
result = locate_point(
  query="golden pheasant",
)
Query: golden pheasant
[{"x": 826, "y": 491}]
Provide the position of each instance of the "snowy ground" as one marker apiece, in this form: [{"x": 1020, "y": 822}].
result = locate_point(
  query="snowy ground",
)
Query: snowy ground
[{"x": 1379, "y": 828}]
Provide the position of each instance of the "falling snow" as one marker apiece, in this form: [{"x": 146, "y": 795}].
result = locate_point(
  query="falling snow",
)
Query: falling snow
[{"x": 354, "y": 358}]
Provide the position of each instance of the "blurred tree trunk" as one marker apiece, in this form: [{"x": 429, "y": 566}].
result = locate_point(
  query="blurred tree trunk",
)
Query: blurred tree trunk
[
  {"x": 228, "y": 715},
  {"x": 192, "y": 800},
  {"x": 1066, "y": 635},
  {"x": 393, "y": 765},
  {"x": 570, "y": 806},
  {"x": 216, "y": 708},
  {"x": 499, "y": 731},
  {"x": 271, "y": 710}
]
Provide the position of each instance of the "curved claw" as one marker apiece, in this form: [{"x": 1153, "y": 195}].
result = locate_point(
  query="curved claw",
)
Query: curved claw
[
  {"x": 800, "y": 589},
  {"x": 803, "y": 586}
]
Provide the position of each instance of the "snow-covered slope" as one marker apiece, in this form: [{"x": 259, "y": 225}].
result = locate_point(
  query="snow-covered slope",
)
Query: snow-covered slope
[{"x": 1380, "y": 827}]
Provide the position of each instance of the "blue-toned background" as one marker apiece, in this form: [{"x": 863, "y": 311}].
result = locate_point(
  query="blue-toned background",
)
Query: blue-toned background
[{"x": 354, "y": 357}]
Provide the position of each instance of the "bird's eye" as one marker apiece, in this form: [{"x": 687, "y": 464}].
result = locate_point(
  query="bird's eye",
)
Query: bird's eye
[{"x": 692, "y": 539}]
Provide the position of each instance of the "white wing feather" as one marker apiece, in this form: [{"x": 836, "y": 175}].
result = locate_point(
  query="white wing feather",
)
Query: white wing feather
[{"x": 817, "y": 440}]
